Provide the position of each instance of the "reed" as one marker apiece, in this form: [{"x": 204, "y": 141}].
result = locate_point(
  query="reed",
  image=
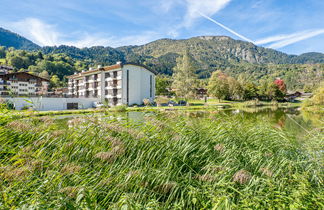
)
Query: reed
[{"x": 170, "y": 161}]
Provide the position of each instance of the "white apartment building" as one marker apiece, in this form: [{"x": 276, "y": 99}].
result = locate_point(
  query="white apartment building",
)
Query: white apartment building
[
  {"x": 117, "y": 84},
  {"x": 22, "y": 84}
]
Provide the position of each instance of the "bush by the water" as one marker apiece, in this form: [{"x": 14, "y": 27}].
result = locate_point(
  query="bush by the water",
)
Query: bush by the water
[
  {"x": 171, "y": 161},
  {"x": 316, "y": 103}
]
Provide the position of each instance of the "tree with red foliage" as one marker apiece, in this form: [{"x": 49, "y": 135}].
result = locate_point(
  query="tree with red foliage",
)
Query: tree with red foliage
[{"x": 281, "y": 85}]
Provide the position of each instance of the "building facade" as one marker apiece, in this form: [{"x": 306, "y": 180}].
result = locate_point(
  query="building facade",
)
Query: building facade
[
  {"x": 117, "y": 84},
  {"x": 22, "y": 84}
]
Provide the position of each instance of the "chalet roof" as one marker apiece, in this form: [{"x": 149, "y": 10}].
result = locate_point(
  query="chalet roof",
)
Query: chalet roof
[
  {"x": 23, "y": 72},
  {"x": 109, "y": 68}
]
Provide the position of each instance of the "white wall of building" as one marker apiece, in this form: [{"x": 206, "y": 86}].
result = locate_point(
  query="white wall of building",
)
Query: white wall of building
[
  {"x": 139, "y": 84},
  {"x": 46, "y": 104}
]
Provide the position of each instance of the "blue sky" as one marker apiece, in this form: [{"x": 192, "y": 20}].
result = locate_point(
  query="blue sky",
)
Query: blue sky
[{"x": 291, "y": 26}]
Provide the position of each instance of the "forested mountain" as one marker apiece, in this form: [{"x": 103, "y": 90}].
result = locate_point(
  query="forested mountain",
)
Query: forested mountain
[
  {"x": 309, "y": 58},
  {"x": 10, "y": 39},
  {"x": 210, "y": 53}
]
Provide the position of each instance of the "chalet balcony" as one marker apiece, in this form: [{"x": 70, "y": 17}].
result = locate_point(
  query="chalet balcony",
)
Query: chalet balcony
[{"x": 5, "y": 83}]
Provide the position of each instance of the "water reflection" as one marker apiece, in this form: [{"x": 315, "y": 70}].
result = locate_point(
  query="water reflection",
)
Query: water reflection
[{"x": 289, "y": 119}]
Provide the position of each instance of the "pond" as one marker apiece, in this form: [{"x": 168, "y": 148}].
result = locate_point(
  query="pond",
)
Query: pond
[{"x": 291, "y": 120}]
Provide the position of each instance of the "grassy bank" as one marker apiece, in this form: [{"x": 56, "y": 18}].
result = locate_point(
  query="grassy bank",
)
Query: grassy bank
[
  {"x": 171, "y": 161},
  {"x": 314, "y": 109}
]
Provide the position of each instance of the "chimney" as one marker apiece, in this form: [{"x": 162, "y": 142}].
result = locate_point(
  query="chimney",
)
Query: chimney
[
  {"x": 99, "y": 66},
  {"x": 119, "y": 62},
  {"x": 90, "y": 69}
]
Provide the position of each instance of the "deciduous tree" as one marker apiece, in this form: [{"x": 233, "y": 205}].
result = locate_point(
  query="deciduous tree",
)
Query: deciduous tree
[{"x": 218, "y": 85}]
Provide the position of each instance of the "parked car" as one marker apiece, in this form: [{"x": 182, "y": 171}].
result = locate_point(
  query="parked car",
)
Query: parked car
[
  {"x": 182, "y": 103},
  {"x": 172, "y": 103}
]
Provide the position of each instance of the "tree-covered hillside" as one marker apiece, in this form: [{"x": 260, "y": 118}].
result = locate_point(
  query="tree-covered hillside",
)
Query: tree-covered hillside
[
  {"x": 10, "y": 39},
  {"x": 96, "y": 55},
  {"x": 210, "y": 53},
  {"x": 296, "y": 76},
  {"x": 45, "y": 65}
]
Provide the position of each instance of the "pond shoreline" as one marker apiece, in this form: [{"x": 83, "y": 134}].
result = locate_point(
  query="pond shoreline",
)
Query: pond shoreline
[{"x": 220, "y": 106}]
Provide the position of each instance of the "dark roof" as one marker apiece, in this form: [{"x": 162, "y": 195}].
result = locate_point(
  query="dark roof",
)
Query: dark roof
[{"x": 23, "y": 72}]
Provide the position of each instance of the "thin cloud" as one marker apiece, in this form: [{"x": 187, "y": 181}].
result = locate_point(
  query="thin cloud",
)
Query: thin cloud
[
  {"x": 36, "y": 30},
  {"x": 45, "y": 34}
]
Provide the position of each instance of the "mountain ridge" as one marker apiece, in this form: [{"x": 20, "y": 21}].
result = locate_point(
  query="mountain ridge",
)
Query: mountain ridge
[
  {"x": 209, "y": 52},
  {"x": 11, "y": 39}
]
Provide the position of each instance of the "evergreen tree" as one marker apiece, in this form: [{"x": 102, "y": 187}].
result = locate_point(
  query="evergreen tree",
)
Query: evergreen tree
[
  {"x": 184, "y": 77},
  {"x": 2, "y": 52},
  {"x": 163, "y": 85}
]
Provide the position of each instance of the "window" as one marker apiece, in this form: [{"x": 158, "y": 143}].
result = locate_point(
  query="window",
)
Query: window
[
  {"x": 127, "y": 87},
  {"x": 72, "y": 106},
  {"x": 151, "y": 86}
]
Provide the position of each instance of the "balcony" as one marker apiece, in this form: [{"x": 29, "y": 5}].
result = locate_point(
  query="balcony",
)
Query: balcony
[
  {"x": 116, "y": 102},
  {"x": 4, "y": 83},
  {"x": 113, "y": 96},
  {"x": 113, "y": 87}
]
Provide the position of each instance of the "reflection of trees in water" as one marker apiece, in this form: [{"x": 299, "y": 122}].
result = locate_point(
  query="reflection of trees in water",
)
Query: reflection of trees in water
[{"x": 317, "y": 119}]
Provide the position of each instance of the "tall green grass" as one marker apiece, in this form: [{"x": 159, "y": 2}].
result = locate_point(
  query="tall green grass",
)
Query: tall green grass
[{"x": 170, "y": 161}]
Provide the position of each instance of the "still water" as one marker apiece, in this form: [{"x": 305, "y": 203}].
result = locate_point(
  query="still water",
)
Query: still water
[{"x": 291, "y": 120}]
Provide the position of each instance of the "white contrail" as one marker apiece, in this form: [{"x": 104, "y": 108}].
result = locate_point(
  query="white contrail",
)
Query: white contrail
[
  {"x": 295, "y": 39},
  {"x": 226, "y": 28},
  {"x": 276, "y": 38}
]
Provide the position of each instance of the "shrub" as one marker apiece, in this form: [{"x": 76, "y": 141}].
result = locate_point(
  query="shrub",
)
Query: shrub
[
  {"x": 146, "y": 102},
  {"x": 120, "y": 108},
  {"x": 161, "y": 100},
  {"x": 252, "y": 103},
  {"x": 26, "y": 107}
]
